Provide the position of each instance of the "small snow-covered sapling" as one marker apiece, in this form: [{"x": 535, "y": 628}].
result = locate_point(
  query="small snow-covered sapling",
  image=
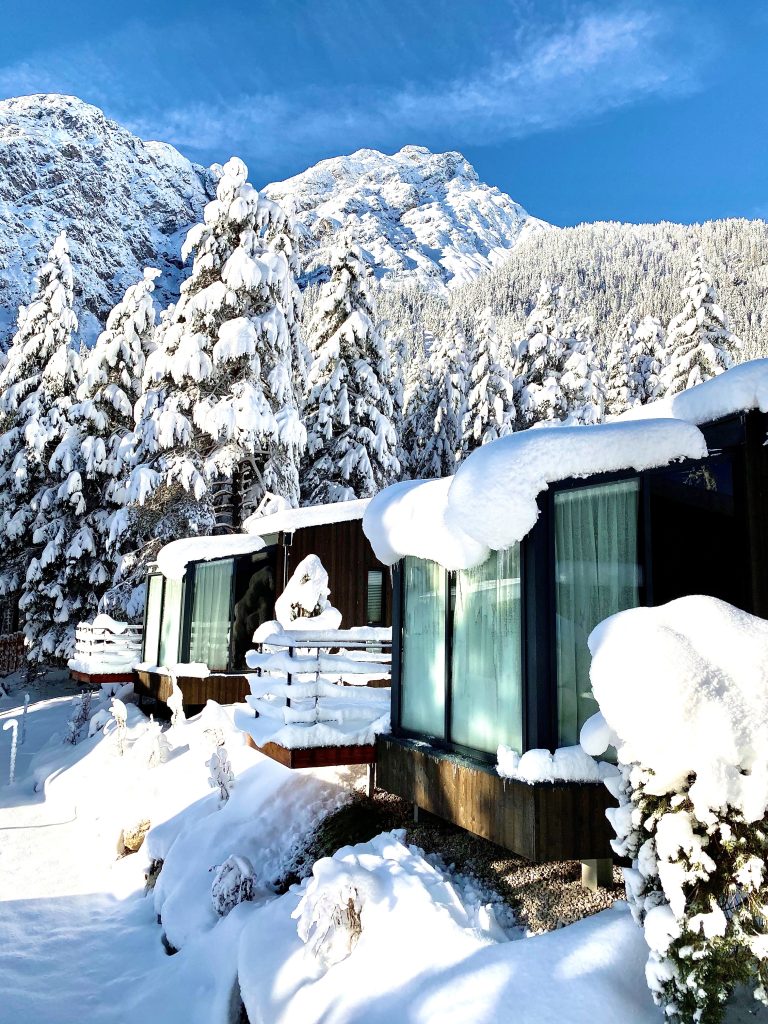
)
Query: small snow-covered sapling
[
  {"x": 176, "y": 703},
  {"x": 119, "y": 713},
  {"x": 221, "y": 775},
  {"x": 13, "y": 725}
]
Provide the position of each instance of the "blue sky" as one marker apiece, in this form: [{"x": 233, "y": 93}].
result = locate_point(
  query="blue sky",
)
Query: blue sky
[{"x": 625, "y": 111}]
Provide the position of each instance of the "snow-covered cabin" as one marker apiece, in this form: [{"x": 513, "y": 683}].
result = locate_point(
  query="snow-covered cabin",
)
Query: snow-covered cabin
[
  {"x": 207, "y": 595},
  {"x": 502, "y": 571}
]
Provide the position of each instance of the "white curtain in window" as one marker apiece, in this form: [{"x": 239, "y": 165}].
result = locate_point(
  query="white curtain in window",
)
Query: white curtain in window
[
  {"x": 422, "y": 696},
  {"x": 152, "y": 619},
  {"x": 596, "y": 575},
  {"x": 170, "y": 627},
  {"x": 487, "y": 705},
  {"x": 210, "y": 626}
]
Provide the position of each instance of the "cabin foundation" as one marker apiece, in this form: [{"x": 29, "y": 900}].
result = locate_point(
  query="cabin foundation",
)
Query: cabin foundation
[{"x": 542, "y": 821}]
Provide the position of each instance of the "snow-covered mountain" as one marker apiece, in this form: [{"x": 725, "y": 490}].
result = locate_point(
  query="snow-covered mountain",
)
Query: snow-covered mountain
[
  {"x": 124, "y": 203},
  {"x": 420, "y": 217}
]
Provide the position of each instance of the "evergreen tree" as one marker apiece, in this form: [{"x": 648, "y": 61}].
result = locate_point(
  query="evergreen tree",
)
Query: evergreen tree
[
  {"x": 490, "y": 403},
  {"x": 219, "y": 390},
  {"x": 111, "y": 385},
  {"x": 39, "y": 472},
  {"x": 446, "y": 405},
  {"x": 646, "y": 359},
  {"x": 700, "y": 343},
  {"x": 617, "y": 367},
  {"x": 418, "y": 417},
  {"x": 397, "y": 356},
  {"x": 351, "y": 441},
  {"x": 583, "y": 379},
  {"x": 542, "y": 355}
]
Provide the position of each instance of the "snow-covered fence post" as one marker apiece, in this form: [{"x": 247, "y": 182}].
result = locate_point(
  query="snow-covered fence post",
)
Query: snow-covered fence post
[
  {"x": 24, "y": 719},
  {"x": 13, "y": 725}
]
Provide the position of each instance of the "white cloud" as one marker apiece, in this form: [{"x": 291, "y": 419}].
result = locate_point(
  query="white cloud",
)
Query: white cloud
[{"x": 592, "y": 65}]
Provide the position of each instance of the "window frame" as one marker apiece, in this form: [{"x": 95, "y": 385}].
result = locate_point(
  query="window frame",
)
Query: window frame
[{"x": 726, "y": 438}]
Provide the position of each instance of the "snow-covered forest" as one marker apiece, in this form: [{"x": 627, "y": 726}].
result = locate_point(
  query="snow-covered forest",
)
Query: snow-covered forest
[{"x": 180, "y": 419}]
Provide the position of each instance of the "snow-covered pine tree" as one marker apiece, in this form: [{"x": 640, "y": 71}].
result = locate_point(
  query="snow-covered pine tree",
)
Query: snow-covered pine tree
[
  {"x": 111, "y": 385},
  {"x": 219, "y": 391},
  {"x": 418, "y": 417},
  {"x": 542, "y": 354},
  {"x": 446, "y": 404},
  {"x": 583, "y": 378},
  {"x": 38, "y": 389},
  {"x": 351, "y": 441},
  {"x": 397, "y": 357},
  {"x": 646, "y": 359},
  {"x": 617, "y": 366},
  {"x": 490, "y": 403},
  {"x": 42, "y": 326},
  {"x": 700, "y": 343}
]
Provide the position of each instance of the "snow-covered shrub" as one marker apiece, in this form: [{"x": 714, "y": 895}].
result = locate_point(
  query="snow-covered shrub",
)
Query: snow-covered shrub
[
  {"x": 306, "y": 597},
  {"x": 81, "y": 713},
  {"x": 233, "y": 883},
  {"x": 221, "y": 774},
  {"x": 329, "y": 919},
  {"x": 151, "y": 748},
  {"x": 175, "y": 703},
  {"x": 119, "y": 714},
  {"x": 688, "y": 715}
]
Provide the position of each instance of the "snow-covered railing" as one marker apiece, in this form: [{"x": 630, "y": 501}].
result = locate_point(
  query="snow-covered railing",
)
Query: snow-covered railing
[
  {"x": 321, "y": 688},
  {"x": 11, "y": 652},
  {"x": 106, "y": 647}
]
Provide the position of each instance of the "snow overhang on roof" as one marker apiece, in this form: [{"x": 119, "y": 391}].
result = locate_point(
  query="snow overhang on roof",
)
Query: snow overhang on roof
[
  {"x": 290, "y": 519},
  {"x": 173, "y": 559},
  {"x": 490, "y": 503}
]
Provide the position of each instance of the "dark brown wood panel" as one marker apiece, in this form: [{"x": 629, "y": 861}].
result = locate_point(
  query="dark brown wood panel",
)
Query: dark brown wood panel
[
  {"x": 543, "y": 822},
  {"x": 225, "y": 689},
  {"x": 315, "y": 757},
  {"x": 97, "y": 678},
  {"x": 347, "y": 556}
]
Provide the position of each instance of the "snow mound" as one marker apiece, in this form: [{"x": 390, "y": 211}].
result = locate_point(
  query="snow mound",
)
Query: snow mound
[
  {"x": 411, "y": 518},
  {"x": 493, "y": 495},
  {"x": 740, "y": 389},
  {"x": 567, "y": 764},
  {"x": 691, "y": 699},
  {"x": 304, "y": 603},
  {"x": 172, "y": 560},
  {"x": 381, "y": 933}
]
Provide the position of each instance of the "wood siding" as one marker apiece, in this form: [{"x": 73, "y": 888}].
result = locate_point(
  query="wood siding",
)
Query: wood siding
[
  {"x": 315, "y": 757},
  {"x": 224, "y": 689},
  {"x": 543, "y": 822},
  {"x": 346, "y": 555}
]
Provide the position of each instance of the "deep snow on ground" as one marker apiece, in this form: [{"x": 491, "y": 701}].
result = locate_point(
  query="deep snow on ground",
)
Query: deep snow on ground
[{"x": 81, "y": 941}]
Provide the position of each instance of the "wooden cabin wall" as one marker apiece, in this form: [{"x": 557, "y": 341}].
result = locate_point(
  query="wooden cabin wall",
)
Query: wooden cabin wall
[{"x": 347, "y": 556}]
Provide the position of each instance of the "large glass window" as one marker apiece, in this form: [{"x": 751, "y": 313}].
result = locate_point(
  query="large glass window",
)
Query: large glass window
[
  {"x": 486, "y": 676},
  {"x": 210, "y": 625},
  {"x": 254, "y": 601},
  {"x": 596, "y": 575},
  {"x": 170, "y": 627},
  {"x": 152, "y": 619},
  {"x": 422, "y": 703}
]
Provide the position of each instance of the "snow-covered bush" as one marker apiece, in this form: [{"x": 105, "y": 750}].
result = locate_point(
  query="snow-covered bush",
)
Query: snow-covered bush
[
  {"x": 306, "y": 597},
  {"x": 221, "y": 775},
  {"x": 233, "y": 883},
  {"x": 151, "y": 748},
  {"x": 119, "y": 713},
  {"x": 688, "y": 715},
  {"x": 329, "y": 915},
  {"x": 81, "y": 713}
]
